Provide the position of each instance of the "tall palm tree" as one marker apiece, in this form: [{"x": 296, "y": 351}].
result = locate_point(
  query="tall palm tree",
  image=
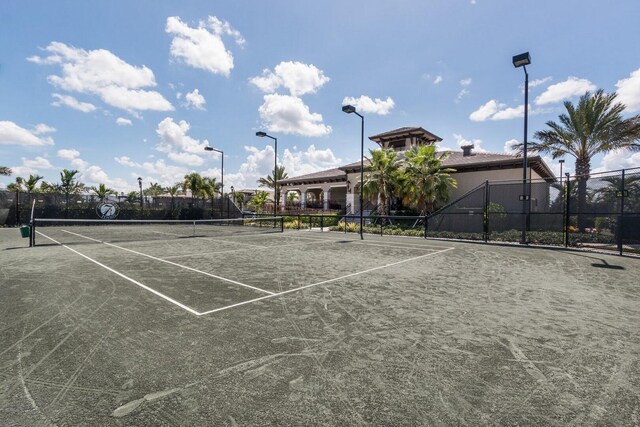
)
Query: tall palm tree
[
  {"x": 193, "y": 182},
  {"x": 269, "y": 182},
  {"x": 173, "y": 191},
  {"x": 594, "y": 126},
  {"x": 424, "y": 180},
  {"x": 211, "y": 188},
  {"x": 30, "y": 184},
  {"x": 102, "y": 191},
  {"x": 5, "y": 171},
  {"x": 69, "y": 185},
  {"x": 382, "y": 177},
  {"x": 154, "y": 190}
]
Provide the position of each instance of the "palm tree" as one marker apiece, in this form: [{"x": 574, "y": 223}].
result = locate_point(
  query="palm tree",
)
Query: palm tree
[
  {"x": 193, "y": 182},
  {"x": 30, "y": 184},
  {"x": 5, "y": 171},
  {"x": 594, "y": 126},
  {"x": 210, "y": 188},
  {"x": 154, "y": 190},
  {"x": 269, "y": 182},
  {"x": 382, "y": 177},
  {"x": 238, "y": 197},
  {"x": 69, "y": 185},
  {"x": 292, "y": 198},
  {"x": 259, "y": 199},
  {"x": 102, "y": 191},
  {"x": 424, "y": 180},
  {"x": 173, "y": 192}
]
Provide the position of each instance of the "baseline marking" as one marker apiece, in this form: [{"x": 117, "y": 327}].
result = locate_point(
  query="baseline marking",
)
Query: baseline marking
[
  {"x": 173, "y": 263},
  {"x": 135, "y": 282},
  {"x": 324, "y": 282}
]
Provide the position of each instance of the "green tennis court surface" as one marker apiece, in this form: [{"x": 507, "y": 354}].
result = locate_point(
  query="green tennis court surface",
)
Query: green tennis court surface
[{"x": 304, "y": 328}]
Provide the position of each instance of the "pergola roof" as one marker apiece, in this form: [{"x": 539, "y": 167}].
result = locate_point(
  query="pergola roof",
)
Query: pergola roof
[{"x": 405, "y": 132}]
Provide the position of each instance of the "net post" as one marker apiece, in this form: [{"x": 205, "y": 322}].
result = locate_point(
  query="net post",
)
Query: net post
[
  {"x": 282, "y": 224},
  {"x": 621, "y": 217},
  {"x": 426, "y": 221},
  {"x": 567, "y": 196},
  {"x": 32, "y": 233}
]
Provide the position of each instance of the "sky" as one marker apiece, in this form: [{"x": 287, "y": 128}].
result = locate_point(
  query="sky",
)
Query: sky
[{"x": 125, "y": 89}]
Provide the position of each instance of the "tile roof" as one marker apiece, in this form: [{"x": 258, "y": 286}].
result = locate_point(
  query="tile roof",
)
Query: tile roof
[
  {"x": 335, "y": 173},
  {"x": 406, "y": 131}
]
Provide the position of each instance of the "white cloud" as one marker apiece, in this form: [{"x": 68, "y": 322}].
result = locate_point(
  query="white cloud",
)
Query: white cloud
[
  {"x": 195, "y": 100},
  {"x": 365, "y": 104},
  {"x": 202, "y": 47},
  {"x": 186, "y": 158},
  {"x": 71, "y": 102},
  {"x": 37, "y": 163},
  {"x": 463, "y": 92},
  {"x": 438, "y": 80},
  {"x": 508, "y": 146},
  {"x": 629, "y": 91},
  {"x": 538, "y": 82},
  {"x": 120, "y": 121},
  {"x": 173, "y": 137},
  {"x": 259, "y": 163},
  {"x": 41, "y": 128},
  {"x": 573, "y": 86},
  {"x": 466, "y": 82},
  {"x": 289, "y": 115},
  {"x": 100, "y": 72},
  {"x": 12, "y": 134},
  {"x": 461, "y": 141},
  {"x": 126, "y": 161},
  {"x": 493, "y": 110},
  {"x": 68, "y": 154},
  {"x": 297, "y": 77},
  {"x": 619, "y": 159}
]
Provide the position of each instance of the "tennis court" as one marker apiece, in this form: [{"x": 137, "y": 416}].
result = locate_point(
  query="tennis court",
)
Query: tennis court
[{"x": 254, "y": 325}]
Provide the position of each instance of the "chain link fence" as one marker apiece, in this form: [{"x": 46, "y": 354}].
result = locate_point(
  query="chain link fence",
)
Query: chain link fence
[{"x": 599, "y": 211}]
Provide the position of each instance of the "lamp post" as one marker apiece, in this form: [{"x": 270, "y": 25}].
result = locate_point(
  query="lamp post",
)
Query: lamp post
[
  {"x": 141, "y": 199},
  {"x": 275, "y": 170},
  {"x": 522, "y": 60},
  {"x": 351, "y": 109},
  {"x": 207, "y": 148},
  {"x": 561, "y": 161},
  {"x": 233, "y": 195}
]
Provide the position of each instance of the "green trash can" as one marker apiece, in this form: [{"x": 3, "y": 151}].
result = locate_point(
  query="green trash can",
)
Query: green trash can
[{"x": 25, "y": 231}]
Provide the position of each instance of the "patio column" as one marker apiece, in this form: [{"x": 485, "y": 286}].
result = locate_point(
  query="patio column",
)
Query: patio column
[
  {"x": 303, "y": 200},
  {"x": 327, "y": 198}
]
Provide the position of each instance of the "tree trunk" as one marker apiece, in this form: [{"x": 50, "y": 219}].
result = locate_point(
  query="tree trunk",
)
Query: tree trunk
[{"x": 583, "y": 168}]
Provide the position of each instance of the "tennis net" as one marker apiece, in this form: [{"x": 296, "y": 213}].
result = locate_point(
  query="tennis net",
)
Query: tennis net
[{"x": 69, "y": 231}]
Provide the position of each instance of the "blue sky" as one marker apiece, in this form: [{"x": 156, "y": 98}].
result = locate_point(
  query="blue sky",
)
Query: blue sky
[{"x": 121, "y": 89}]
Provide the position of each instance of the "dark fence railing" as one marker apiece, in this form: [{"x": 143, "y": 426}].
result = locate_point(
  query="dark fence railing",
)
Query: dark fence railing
[{"x": 15, "y": 207}]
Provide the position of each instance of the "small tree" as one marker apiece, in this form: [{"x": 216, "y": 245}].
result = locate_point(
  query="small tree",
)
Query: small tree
[
  {"x": 5, "y": 171},
  {"x": 102, "y": 191},
  {"x": 259, "y": 200}
]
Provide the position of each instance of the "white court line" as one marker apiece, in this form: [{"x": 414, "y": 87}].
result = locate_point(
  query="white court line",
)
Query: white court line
[
  {"x": 360, "y": 242},
  {"x": 324, "y": 282},
  {"x": 172, "y": 263},
  {"x": 135, "y": 282}
]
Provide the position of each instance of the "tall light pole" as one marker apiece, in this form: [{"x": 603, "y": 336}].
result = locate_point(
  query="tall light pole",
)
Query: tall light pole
[
  {"x": 141, "y": 198},
  {"x": 561, "y": 161},
  {"x": 351, "y": 109},
  {"x": 523, "y": 60},
  {"x": 275, "y": 170},
  {"x": 207, "y": 148}
]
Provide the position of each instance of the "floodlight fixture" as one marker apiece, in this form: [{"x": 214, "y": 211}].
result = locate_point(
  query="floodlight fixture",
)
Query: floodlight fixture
[{"x": 521, "y": 60}]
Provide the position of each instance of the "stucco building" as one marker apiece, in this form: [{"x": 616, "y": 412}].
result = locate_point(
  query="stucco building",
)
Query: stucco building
[{"x": 338, "y": 188}]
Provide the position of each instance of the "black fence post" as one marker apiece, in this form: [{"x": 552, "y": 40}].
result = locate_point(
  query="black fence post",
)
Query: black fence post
[
  {"x": 299, "y": 222},
  {"x": 322, "y": 223},
  {"x": 485, "y": 219},
  {"x": 621, "y": 216},
  {"x": 567, "y": 206}
]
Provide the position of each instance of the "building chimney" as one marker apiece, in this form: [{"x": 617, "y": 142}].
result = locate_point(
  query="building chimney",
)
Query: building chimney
[{"x": 466, "y": 150}]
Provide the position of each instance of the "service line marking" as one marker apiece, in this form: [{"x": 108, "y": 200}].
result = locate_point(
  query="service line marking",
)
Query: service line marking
[
  {"x": 173, "y": 263},
  {"x": 324, "y": 282},
  {"x": 135, "y": 282}
]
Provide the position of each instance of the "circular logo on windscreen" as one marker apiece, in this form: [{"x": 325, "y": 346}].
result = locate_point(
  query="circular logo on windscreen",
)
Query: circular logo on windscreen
[{"x": 107, "y": 210}]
